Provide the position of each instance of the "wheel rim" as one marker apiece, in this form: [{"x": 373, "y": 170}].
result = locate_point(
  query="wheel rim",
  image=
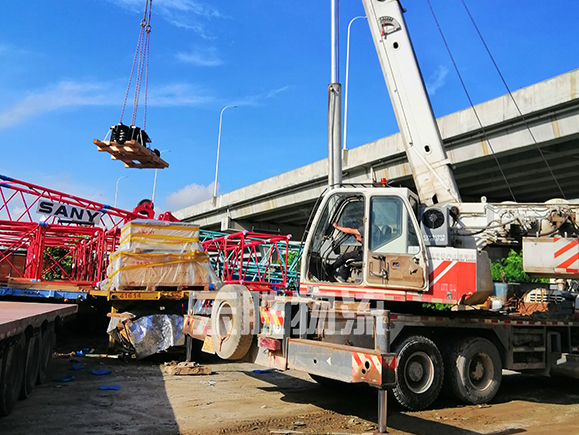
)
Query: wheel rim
[
  {"x": 419, "y": 372},
  {"x": 224, "y": 320},
  {"x": 480, "y": 371}
]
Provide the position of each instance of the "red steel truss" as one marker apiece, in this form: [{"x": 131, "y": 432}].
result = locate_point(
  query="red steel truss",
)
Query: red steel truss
[
  {"x": 258, "y": 261},
  {"x": 38, "y": 247},
  {"x": 81, "y": 257}
]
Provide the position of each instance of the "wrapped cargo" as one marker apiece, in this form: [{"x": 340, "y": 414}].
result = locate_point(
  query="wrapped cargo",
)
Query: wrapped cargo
[
  {"x": 145, "y": 235},
  {"x": 151, "y": 270}
]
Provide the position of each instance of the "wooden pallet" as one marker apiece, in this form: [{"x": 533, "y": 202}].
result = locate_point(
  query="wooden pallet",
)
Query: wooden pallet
[{"x": 132, "y": 154}]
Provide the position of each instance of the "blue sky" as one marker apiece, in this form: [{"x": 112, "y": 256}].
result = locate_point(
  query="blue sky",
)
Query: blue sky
[{"x": 65, "y": 66}]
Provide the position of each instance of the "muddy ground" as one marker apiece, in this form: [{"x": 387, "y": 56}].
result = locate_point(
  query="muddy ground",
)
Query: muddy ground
[{"x": 237, "y": 399}]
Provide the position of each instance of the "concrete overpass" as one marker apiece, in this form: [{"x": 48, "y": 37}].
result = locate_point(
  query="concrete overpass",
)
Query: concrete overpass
[{"x": 551, "y": 123}]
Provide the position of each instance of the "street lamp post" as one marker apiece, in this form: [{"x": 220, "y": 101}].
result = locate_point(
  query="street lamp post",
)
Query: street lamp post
[
  {"x": 155, "y": 180},
  {"x": 117, "y": 189},
  {"x": 218, "y": 147},
  {"x": 347, "y": 73}
]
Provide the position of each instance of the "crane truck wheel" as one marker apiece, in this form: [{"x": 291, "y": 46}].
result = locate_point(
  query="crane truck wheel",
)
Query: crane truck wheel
[
  {"x": 31, "y": 364},
  {"x": 419, "y": 373},
  {"x": 473, "y": 370},
  {"x": 47, "y": 341},
  {"x": 232, "y": 322},
  {"x": 12, "y": 374}
]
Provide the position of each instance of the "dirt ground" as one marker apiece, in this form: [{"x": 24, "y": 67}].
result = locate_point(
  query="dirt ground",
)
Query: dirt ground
[{"x": 237, "y": 399}]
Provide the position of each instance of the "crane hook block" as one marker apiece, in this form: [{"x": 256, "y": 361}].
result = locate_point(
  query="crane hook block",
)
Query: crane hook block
[{"x": 129, "y": 144}]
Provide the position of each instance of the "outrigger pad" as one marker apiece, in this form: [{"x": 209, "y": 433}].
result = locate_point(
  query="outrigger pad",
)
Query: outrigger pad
[{"x": 132, "y": 154}]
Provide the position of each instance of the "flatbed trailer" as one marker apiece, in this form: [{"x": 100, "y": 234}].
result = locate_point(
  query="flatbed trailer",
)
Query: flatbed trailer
[
  {"x": 27, "y": 338},
  {"x": 57, "y": 293}
]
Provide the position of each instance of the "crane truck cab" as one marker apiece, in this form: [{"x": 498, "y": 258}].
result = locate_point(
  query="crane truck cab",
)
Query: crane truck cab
[{"x": 402, "y": 259}]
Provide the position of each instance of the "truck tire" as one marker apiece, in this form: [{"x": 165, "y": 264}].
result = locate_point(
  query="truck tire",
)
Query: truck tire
[
  {"x": 473, "y": 370},
  {"x": 232, "y": 322},
  {"x": 419, "y": 373},
  {"x": 47, "y": 341},
  {"x": 11, "y": 374},
  {"x": 31, "y": 364}
]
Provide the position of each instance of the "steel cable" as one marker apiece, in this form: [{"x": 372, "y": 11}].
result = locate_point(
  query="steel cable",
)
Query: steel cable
[
  {"x": 514, "y": 101},
  {"x": 471, "y": 102}
]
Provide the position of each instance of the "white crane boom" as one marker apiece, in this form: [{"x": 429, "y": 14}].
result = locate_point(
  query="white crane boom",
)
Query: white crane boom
[{"x": 426, "y": 155}]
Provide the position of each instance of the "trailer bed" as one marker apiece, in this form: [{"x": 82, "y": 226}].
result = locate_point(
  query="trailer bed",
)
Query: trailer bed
[{"x": 16, "y": 316}]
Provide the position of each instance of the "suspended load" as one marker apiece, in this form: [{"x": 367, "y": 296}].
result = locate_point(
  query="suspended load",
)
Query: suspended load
[{"x": 129, "y": 143}]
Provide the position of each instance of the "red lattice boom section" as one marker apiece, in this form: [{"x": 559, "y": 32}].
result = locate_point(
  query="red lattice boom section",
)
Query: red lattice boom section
[{"x": 28, "y": 239}]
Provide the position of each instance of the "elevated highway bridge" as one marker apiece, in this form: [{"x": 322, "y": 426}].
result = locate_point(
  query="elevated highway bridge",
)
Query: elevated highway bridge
[{"x": 550, "y": 122}]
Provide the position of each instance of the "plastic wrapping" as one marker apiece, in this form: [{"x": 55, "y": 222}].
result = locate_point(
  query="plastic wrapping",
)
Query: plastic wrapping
[
  {"x": 145, "y": 235},
  {"x": 128, "y": 269},
  {"x": 155, "y": 254},
  {"x": 149, "y": 334}
]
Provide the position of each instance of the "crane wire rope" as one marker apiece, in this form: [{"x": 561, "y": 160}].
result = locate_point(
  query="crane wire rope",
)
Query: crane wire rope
[
  {"x": 140, "y": 59},
  {"x": 514, "y": 100},
  {"x": 471, "y": 102}
]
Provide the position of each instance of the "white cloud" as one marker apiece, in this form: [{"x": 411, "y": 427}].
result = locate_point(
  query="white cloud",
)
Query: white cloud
[
  {"x": 187, "y": 14},
  {"x": 188, "y": 195},
  {"x": 201, "y": 57},
  {"x": 77, "y": 94},
  {"x": 274, "y": 92},
  {"x": 64, "y": 94},
  {"x": 437, "y": 80},
  {"x": 178, "y": 94},
  {"x": 257, "y": 100},
  {"x": 68, "y": 94},
  {"x": 8, "y": 50}
]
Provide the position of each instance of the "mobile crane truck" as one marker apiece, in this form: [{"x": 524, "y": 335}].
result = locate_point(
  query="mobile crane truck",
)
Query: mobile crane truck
[{"x": 420, "y": 248}]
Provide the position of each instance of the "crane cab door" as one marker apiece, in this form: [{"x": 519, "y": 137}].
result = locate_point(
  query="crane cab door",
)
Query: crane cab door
[{"x": 396, "y": 257}]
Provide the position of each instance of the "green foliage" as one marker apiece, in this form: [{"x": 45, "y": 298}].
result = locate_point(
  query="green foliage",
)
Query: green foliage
[
  {"x": 437, "y": 307},
  {"x": 61, "y": 257},
  {"x": 291, "y": 256},
  {"x": 512, "y": 266}
]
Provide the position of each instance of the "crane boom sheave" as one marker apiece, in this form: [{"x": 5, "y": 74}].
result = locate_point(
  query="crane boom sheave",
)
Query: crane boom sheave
[{"x": 429, "y": 164}]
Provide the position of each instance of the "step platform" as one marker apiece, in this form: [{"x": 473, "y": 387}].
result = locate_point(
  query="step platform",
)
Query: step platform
[{"x": 132, "y": 154}]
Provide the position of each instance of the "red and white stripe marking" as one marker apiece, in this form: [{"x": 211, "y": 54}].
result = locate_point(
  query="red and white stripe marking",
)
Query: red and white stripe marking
[
  {"x": 566, "y": 255},
  {"x": 435, "y": 319},
  {"x": 359, "y": 360},
  {"x": 440, "y": 271},
  {"x": 272, "y": 317}
]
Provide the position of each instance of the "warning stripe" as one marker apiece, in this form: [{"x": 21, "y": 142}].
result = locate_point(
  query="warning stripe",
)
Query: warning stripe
[
  {"x": 437, "y": 277},
  {"x": 422, "y": 319},
  {"x": 376, "y": 362},
  {"x": 361, "y": 358},
  {"x": 565, "y": 248},
  {"x": 438, "y": 269},
  {"x": 357, "y": 359},
  {"x": 272, "y": 317},
  {"x": 569, "y": 262}
]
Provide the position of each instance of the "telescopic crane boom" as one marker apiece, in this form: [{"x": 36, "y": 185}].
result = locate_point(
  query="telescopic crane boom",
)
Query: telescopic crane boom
[{"x": 426, "y": 155}]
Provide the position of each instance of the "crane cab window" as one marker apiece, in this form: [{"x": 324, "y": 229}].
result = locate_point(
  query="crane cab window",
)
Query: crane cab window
[{"x": 391, "y": 228}]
